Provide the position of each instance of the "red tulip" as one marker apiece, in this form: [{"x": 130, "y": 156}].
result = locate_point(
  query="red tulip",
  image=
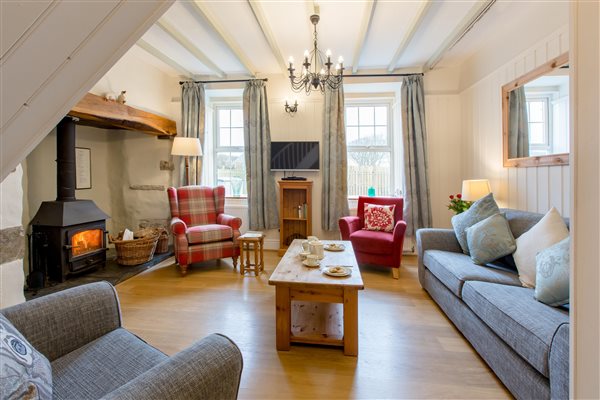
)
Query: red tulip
[
  {"x": 459, "y": 196},
  {"x": 451, "y": 197}
]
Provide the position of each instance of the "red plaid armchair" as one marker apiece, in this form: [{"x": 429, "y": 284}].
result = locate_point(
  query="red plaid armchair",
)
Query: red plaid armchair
[{"x": 201, "y": 230}]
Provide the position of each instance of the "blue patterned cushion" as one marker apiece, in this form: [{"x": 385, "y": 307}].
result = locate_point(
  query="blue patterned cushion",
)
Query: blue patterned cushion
[
  {"x": 552, "y": 274},
  {"x": 24, "y": 372},
  {"x": 480, "y": 210},
  {"x": 490, "y": 239}
]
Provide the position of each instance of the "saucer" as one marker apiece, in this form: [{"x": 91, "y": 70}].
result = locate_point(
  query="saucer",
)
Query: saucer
[
  {"x": 334, "y": 247},
  {"x": 337, "y": 270},
  {"x": 317, "y": 265}
]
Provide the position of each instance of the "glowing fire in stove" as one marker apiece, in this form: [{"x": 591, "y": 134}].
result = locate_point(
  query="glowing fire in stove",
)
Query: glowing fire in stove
[{"x": 86, "y": 242}]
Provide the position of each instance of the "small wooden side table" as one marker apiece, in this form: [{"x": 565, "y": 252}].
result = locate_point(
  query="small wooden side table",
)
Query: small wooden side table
[{"x": 251, "y": 242}]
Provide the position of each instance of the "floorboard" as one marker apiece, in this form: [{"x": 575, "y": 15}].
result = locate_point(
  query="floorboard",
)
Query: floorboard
[{"x": 407, "y": 347}]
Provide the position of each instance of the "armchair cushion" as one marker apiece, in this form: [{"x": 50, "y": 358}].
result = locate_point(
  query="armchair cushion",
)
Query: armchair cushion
[
  {"x": 208, "y": 233},
  {"x": 103, "y": 365},
  {"x": 379, "y": 217},
  {"x": 372, "y": 241},
  {"x": 24, "y": 371}
]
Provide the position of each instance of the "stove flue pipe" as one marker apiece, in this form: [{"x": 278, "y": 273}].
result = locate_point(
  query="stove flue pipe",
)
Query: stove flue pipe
[{"x": 65, "y": 160}]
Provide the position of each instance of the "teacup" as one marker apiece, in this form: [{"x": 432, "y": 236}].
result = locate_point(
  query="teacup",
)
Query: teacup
[
  {"x": 312, "y": 260},
  {"x": 312, "y": 238},
  {"x": 306, "y": 245},
  {"x": 304, "y": 254}
]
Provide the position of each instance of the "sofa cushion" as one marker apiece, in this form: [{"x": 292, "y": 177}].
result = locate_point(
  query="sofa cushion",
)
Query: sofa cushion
[
  {"x": 103, "y": 365},
  {"x": 208, "y": 233},
  {"x": 525, "y": 324},
  {"x": 372, "y": 241},
  {"x": 24, "y": 372},
  {"x": 550, "y": 230},
  {"x": 490, "y": 239},
  {"x": 552, "y": 274},
  {"x": 480, "y": 210},
  {"x": 454, "y": 269}
]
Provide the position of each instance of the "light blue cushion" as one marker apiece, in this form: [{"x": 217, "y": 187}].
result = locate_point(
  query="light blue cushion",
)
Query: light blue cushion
[
  {"x": 24, "y": 372},
  {"x": 480, "y": 210},
  {"x": 552, "y": 274},
  {"x": 490, "y": 239}
]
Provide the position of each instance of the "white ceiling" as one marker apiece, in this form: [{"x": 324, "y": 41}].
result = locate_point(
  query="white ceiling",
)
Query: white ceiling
[{"x": 210, "y": 39}]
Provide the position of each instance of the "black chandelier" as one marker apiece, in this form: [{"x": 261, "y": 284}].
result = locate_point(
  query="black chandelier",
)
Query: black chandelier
[{"x": 317, "y": 79}]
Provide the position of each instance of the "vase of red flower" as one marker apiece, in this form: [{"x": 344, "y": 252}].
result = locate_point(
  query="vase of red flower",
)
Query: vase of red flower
[{"x": 458, "y": 205}]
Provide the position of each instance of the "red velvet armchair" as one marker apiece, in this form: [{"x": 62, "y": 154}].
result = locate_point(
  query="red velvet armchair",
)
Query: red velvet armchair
[
  {"x": 201, "y": 230},
  {"x": 376, "y": 247}
]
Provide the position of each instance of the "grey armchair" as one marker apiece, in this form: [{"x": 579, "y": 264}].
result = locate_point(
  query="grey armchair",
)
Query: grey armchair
[{"x": 92, "y": 356}]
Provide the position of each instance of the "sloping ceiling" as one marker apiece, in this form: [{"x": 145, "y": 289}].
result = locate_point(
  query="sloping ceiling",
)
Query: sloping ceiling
[{"x": 52, "y": 53}]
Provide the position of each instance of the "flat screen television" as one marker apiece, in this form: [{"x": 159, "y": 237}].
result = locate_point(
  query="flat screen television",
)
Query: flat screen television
[{"x": 294, "y": 156}]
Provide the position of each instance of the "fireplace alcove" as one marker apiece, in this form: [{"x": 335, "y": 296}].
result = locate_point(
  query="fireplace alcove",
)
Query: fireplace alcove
[{"x": 69, "y": 235}]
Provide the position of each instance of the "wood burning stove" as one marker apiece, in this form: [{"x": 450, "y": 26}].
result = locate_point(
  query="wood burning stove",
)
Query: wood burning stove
[{"x": 68, "y": 235}]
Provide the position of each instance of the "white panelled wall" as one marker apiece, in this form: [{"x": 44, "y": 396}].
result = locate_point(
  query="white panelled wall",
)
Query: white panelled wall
[{"x": 534, "y": 189}]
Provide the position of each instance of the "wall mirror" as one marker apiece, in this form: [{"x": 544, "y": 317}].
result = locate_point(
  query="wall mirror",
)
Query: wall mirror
[{"x": 535, "y": 116}]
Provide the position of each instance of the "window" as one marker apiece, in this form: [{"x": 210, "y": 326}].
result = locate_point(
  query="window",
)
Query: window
[
  {"x": 229, "y": 161},
  {"x": 370, "y": 150},
  {"x": 538, "y": 123}
]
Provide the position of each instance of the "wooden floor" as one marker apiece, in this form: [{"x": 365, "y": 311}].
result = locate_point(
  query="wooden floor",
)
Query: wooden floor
[{"x": 407, "y": 347}]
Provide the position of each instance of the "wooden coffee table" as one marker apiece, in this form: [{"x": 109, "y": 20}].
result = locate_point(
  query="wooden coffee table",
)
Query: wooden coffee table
[{"x": 315, "y": 308}]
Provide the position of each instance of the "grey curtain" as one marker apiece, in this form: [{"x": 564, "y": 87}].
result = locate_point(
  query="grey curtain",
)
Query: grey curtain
[
  {"x": 417, "y": 205},
  {"x": 334, "y": 197},
  {"x": 518, "y": 127},
  {"x": 262, "y": 196},
  {"x": 192, "y": 125}
]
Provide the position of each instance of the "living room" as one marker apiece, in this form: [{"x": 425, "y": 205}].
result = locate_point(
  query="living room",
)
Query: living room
[{"x": 463, "y": 116}]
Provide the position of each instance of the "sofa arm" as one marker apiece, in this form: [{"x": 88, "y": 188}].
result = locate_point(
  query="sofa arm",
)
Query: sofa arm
[
  {"x": 233, "y": 222},
  {"x": 59, "y": 323},
  {"x": 348, "y": 225},
  {"x": 178, "y": 227},
  {"x": 209, "y": 369},
  {"x": 435, "y": 239},
  {"x": 559, "y": 363}
]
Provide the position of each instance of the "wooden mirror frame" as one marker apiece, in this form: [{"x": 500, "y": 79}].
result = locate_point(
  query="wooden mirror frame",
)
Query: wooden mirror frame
[{"x": 534, "y": 161}]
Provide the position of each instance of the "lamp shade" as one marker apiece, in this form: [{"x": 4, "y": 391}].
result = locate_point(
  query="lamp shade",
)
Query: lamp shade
[
  {"x": 475, "y": 189},
  {"x": 184, "y": 146}
]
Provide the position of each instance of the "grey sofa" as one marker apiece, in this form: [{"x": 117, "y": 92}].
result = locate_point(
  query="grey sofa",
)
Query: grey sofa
[
  {"x": 79, "y": 331},
  {"x": 525, "y": 342}
]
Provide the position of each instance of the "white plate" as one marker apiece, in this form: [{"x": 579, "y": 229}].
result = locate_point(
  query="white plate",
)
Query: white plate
[
  {"x": 347, "y": 271},
  {"x": 309, "y": 265},
  {"x": 335, "y": 247}
]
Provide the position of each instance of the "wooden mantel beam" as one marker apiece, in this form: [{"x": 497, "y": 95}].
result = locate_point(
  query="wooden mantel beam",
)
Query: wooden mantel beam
[{"x": 95, "y": 111}]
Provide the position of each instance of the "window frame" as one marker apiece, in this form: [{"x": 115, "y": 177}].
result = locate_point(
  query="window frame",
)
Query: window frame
[
  {"x": 390, "y": 147},
  {"x": 217, "y": 148}
]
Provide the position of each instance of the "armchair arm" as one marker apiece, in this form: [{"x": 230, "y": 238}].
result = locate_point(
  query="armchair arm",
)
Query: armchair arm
[
  {"x": 233, "y": 222},
  {"x": 399, "y": 231},
  {"x": 435, "y": 239},
  {"x": 348, "y": 225},
  {"x": 209, "y": 369},
  {"x": 59, "y": 323},
  {"x": 178, "y": 227}
]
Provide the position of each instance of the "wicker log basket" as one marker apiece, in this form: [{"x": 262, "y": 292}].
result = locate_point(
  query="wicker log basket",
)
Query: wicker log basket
[{"x": 136, "y": 251}]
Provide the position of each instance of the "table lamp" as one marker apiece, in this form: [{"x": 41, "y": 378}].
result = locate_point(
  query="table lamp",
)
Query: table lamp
[
  {"x": 475, "y": 189},
  {"x": 185, "y": 146}
]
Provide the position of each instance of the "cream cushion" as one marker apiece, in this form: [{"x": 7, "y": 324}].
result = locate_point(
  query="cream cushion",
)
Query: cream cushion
[{"x": 550, "y": 230}]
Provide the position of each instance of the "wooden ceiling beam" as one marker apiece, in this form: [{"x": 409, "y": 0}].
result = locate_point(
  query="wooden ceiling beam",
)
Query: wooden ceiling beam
[
  {"x": 203, "y": 15},
  {"x": 261, "y": 19},
  {"x": 410, "y": 33},
  {"x": 464, "y": 26},
  {"x": 189, "y": 46},
  {"x": 362, "y": 35},
  {"x": 96, "y": 111},
  {"x": 164, "y": 58}
]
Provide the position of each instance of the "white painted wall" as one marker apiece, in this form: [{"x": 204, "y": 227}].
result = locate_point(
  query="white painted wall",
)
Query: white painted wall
[
  {"x": 11, "y": 209},
  {"x": 585, "y": 250},
  {"x": 532, "y": 189}
]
